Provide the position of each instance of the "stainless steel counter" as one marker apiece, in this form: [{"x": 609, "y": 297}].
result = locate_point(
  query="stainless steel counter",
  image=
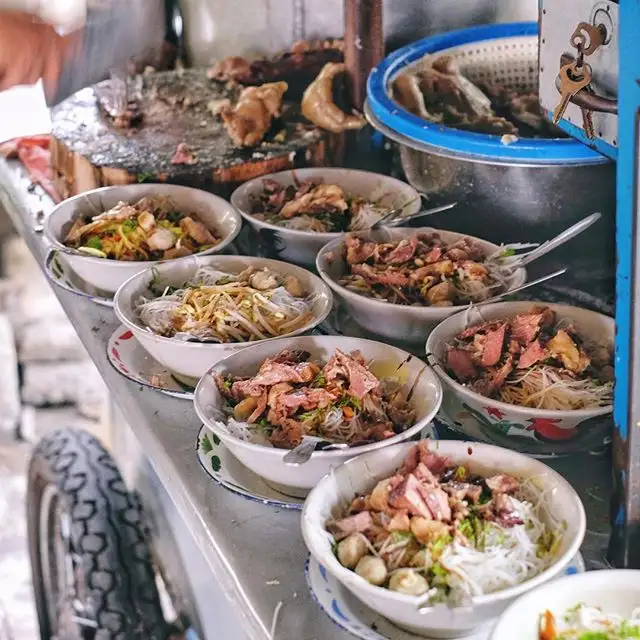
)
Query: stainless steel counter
[{"x": 246, "y": 544}]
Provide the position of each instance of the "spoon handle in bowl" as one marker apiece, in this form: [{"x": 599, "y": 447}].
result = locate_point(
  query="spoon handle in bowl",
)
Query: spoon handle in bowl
[
  {"x": 302, "y": 453},
  {"x": 526, "y": 285},
  {"x": 566, "y": 235}
]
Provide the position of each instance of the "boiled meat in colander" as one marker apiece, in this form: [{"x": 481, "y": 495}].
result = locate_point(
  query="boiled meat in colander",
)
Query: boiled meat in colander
[{"x": 440, "y": 93}]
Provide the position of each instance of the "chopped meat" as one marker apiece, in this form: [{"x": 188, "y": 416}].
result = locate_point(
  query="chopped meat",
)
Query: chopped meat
[
  {"x": 388, "y": 277},
  {"x": 358, "y": 504},
  {"x": 525, "y": 327},
  {"x": 321, "y": 199},
  {"x": 183, "y": 155},
  {"x": 357, "y": 523},
  {"x": 223, "y": 388},
  {"x": 197, "y": 230},
  {"x": 532, "y": 354},
  {"x": 358, "y": 250},
  {"x": 248, "y": 122},
  {"x": 407, "y": 496},
  {"x": 423, "y": 473},
  {"x": 435, "y": 463},
  {"x": 478, "y": 328},
  {"x": 318, "y": 105},
  {"x": 502, "y": 483},
  {"x": 437, "y": 501},
  {"x": 271, "y": 373},
  {"x": 493, "y": 346},
  {"x": 411, "y": 461},
  {"x": 459, "y": 361},
  {"x": 489, "y": 386},
  {"x": 259, "y": 410},
  {"x": 463, "y": 490},
  {"x": 361, "y": 380},
  {"x": 288, "y": 434},
  {"x": 403, "y": 252},
  {"x": 561, "y": 346},
  {"x": 434, "y": 255},
  {"x": 291, "y": 356},
  {"x": 307, "y": 399}
]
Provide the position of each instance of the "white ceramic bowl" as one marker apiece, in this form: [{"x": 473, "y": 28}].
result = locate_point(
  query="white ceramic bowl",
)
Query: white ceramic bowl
[
  {"x": 302, "y": 247},
  {"x": 616, "y": 592},
  {"x": 193, "y": 359},
  {"x": 394, "y": 321},
  {"x": 532, "y": 431},
  {"x": 267, "y": 461},
  {"x": 214, "y": 212},
  {"x": 361, "y": 474}
]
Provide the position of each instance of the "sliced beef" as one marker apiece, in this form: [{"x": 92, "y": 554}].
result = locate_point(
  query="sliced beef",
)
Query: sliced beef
[
  {"x": 407, "y": 496},
  {"x": 357, "y": 250},
  {"x": 434, "y": 255},
  {"x": 532, "y": 354},
  {"x": 307, "y": 399},
  {"x": 469, "y": 332},
  {"x": 272, "y": 372},
  {"x": 437, "y": 501},
  {"x": 460, "y": 363},
  {"x": 525, "y": 327},
  {"x": 493, "y": 343},
  {"x": 423, "y": 473},
  {"x": 403, "y": 252},
  {"x": 357, "y": 523},
  {"x": 361, "y": 380}
]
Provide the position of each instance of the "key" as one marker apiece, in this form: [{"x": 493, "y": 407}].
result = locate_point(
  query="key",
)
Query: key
[
  {"x": 572, "y": 80},
  {"x": 579, "y": 39}
]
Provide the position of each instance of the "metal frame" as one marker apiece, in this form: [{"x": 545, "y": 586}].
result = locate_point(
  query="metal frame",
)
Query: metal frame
[{"x": 625, "y": 540}]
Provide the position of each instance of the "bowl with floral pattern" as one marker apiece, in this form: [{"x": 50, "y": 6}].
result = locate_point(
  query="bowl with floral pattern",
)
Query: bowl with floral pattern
[{"x": 531, "y": 430}]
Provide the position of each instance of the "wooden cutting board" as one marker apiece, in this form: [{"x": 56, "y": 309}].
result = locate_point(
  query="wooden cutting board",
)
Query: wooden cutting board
[{"x": 88, "y": 151}]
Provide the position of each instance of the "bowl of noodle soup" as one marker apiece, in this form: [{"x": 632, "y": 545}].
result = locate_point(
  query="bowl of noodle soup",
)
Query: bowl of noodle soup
[
  {"x": 494, "y": 577},
  {"x": 218, "y": 217},
  {"x": 543, "y": 408},
  {"x": 190, "y": 313}
]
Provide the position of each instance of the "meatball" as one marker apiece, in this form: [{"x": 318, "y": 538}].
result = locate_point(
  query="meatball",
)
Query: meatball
[
  {"x": 372, "y": 569},
  {"x": 351, "y": 550},
  {"x": 409, "y": 582}
]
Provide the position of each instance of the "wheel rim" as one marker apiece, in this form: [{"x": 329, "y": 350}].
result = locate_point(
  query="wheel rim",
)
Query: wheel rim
[{"x": 68, "y": 605}]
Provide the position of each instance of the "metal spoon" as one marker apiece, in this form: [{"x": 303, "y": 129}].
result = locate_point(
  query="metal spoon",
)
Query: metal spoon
[
  {"x": 392, "y": 218},
  {"x": 526, "y": 285},
  {"x": 303, "y": 452},
  {"x": 561, "y": 238}
]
